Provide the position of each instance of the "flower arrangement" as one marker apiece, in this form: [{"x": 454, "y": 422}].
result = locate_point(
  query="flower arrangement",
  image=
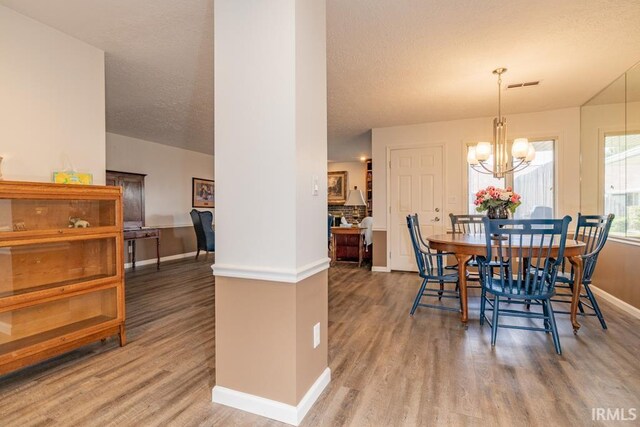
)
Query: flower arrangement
[{"x": 491, "y": 198}]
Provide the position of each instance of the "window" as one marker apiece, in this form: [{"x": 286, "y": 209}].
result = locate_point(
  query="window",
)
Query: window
[
  {"x": 536, "y": 184},
  {"x": 622, "y": 183}
]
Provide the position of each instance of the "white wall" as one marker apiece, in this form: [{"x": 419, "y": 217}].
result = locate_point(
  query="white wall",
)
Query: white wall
[
  {"x": 562, "y": 125},
  {"x": 52, "y": 102},
  {"x": 169, "y": 173},
  {"x": 357, "y": 174}
]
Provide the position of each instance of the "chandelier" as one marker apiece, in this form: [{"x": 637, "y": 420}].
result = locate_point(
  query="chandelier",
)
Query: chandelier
[{"x": 522, "y": 152}]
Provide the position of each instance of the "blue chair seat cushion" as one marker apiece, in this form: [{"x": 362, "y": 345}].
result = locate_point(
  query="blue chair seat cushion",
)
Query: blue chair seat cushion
[{"x": 494, "y": 285}]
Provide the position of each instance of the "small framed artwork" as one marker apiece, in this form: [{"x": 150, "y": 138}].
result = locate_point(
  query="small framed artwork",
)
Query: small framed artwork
[
  {"x": 337, "y": 187},
  {"x": 203, "y": 193}
]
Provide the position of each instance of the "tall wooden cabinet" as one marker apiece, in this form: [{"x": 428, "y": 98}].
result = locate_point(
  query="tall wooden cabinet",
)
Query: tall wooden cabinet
[{"x": 60, "y": 287}]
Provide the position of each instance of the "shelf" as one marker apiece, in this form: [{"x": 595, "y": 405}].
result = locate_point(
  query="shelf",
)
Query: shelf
[
  {"x": 24, "y": 215},
  {"x": 54, "y": 285},
  {"x": 30, "y": 267},
  {"x": 41, "y": 337}
]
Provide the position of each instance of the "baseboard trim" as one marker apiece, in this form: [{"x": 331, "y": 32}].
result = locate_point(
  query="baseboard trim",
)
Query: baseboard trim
[
  {"x": 162, "y": 259},
  {"x": 270, "y": 408},
  {"x": 380, "y": 269},
  {"x": 624, "y": 306},
  {"x": 271, "y": 274}
]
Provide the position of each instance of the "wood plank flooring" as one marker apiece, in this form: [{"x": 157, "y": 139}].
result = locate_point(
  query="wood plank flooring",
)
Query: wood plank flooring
[{"x": 388, "y": 369}]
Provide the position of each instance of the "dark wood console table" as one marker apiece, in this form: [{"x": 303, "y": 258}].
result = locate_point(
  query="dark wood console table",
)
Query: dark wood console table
[
  {"x": 130, "y": 236},
  {"x": 347, "y": 243}
]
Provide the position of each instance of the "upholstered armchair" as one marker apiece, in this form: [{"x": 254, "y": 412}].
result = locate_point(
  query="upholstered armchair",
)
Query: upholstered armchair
[{"x": 203, "y": 226}]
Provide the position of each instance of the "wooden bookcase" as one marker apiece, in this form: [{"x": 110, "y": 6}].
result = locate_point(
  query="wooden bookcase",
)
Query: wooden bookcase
[
  {"x": 369, "y": 189},
  {"x": 60, "y": 287}
]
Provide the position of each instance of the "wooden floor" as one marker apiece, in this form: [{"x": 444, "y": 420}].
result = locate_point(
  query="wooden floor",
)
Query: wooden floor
[{"x": 388, "y": 369}]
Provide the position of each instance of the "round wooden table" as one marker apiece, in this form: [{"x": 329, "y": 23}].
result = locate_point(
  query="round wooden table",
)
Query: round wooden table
[{"x": 465, "y": 246}]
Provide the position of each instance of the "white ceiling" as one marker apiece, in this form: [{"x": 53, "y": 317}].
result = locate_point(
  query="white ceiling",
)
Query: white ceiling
[
  {"x": 389, "y": 62},
  {"x": 158, "y": 59}
]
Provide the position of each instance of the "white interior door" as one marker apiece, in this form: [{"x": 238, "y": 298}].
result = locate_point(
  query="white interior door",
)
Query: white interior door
[{"x": 416, "y": 186}]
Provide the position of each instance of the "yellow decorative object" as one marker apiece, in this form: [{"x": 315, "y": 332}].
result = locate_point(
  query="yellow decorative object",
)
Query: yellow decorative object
[{"x": 73, "y": 178}]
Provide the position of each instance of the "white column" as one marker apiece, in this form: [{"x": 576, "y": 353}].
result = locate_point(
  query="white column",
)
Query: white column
[{"x": 271, "y": 222}]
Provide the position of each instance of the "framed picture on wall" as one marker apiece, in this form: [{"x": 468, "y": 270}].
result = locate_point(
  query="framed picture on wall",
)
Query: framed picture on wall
[
  {"x": 337, "y": 187},
  {"x": 203, "y": 193}
]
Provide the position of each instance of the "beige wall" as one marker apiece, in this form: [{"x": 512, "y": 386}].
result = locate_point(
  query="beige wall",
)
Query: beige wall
[
  {"x": 264, "y": 336},
  {"x": 169, "y": 173},
  {"x": 617, "y": 272},
  {"x": 357, "y": 172},
  {"x": 52, "y": 102},
  {"x": 379, "y": 249}
]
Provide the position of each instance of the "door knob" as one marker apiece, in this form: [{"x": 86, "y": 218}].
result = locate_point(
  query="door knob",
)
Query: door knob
[
  {"x": 437, "y": 209},
  {"x": 436, "y": 219}
]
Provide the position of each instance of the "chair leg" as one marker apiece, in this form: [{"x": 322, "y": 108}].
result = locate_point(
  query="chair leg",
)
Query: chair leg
[
  {"x": 596, "y": 307},
  {"x": 545, "y": 312},
  {"x": 440, "y": 291},
  {"x": 494, "y": 326},
  {"x": 483, "y": 296},
  {"x": 554, "y": 328},
  {"x": 419, "y": 296},
  {"x": 197, "y": 253}
]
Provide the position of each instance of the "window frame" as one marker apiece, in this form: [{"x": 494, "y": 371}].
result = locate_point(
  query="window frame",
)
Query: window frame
[{"x": 603, "y": 134}]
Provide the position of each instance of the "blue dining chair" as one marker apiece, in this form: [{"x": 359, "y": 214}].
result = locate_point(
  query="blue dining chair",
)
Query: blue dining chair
[
  {"x": 468, "y": 224},
  {"x": 519, "y": 269},
  {"x": 431, "y": 267},
  {"x": 593, "y": 230}
]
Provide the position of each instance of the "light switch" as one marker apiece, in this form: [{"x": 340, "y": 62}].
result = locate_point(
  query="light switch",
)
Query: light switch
[{"x": 315, "y": 185}]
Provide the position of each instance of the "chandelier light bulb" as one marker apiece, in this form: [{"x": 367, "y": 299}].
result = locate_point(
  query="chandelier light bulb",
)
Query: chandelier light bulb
[
  {"x": 520, "y": 148},
  {"x": 531, "y": 154},
  {"x": 471, "y": 156},
  {"x": 483, "y": 151}
]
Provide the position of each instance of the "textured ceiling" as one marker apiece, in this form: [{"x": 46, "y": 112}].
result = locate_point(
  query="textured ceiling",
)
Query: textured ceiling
[
  {"x": 405, "y": 62},
  {"x": 389, "y": 62},
  {"x": 158, "y": 59}
]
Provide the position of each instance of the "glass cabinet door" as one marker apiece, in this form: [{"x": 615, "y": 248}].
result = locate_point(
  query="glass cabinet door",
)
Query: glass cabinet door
[
  {"x": 32, "y": 325},
  {"x": 33, "y": 267},
  {"x": 42, "y": 214}
]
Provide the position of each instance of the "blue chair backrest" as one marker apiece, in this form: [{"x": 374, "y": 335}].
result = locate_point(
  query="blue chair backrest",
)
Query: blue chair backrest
[
  {"x": 523, "y": 250},
  {"x": 202, "y": 224},
  {"x": 593, "y": 230},
  {"x": 207, "y": 224},
  {"x": 329, "y": 225},
  {"x": 467, "y": 224},
  {"x": 420, "y": 249}
]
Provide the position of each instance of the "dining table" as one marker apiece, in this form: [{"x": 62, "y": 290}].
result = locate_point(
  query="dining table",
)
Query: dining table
[{"x": 466, "y": 246}]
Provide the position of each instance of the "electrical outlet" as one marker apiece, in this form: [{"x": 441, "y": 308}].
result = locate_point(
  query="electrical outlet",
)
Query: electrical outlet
[{"x": 316, "y": 335}]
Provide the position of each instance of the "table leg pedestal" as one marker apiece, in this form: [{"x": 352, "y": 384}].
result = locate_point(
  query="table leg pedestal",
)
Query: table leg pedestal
[
  {"x": 576, "y": 262},
  {"x": 463, "y": 259}
]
